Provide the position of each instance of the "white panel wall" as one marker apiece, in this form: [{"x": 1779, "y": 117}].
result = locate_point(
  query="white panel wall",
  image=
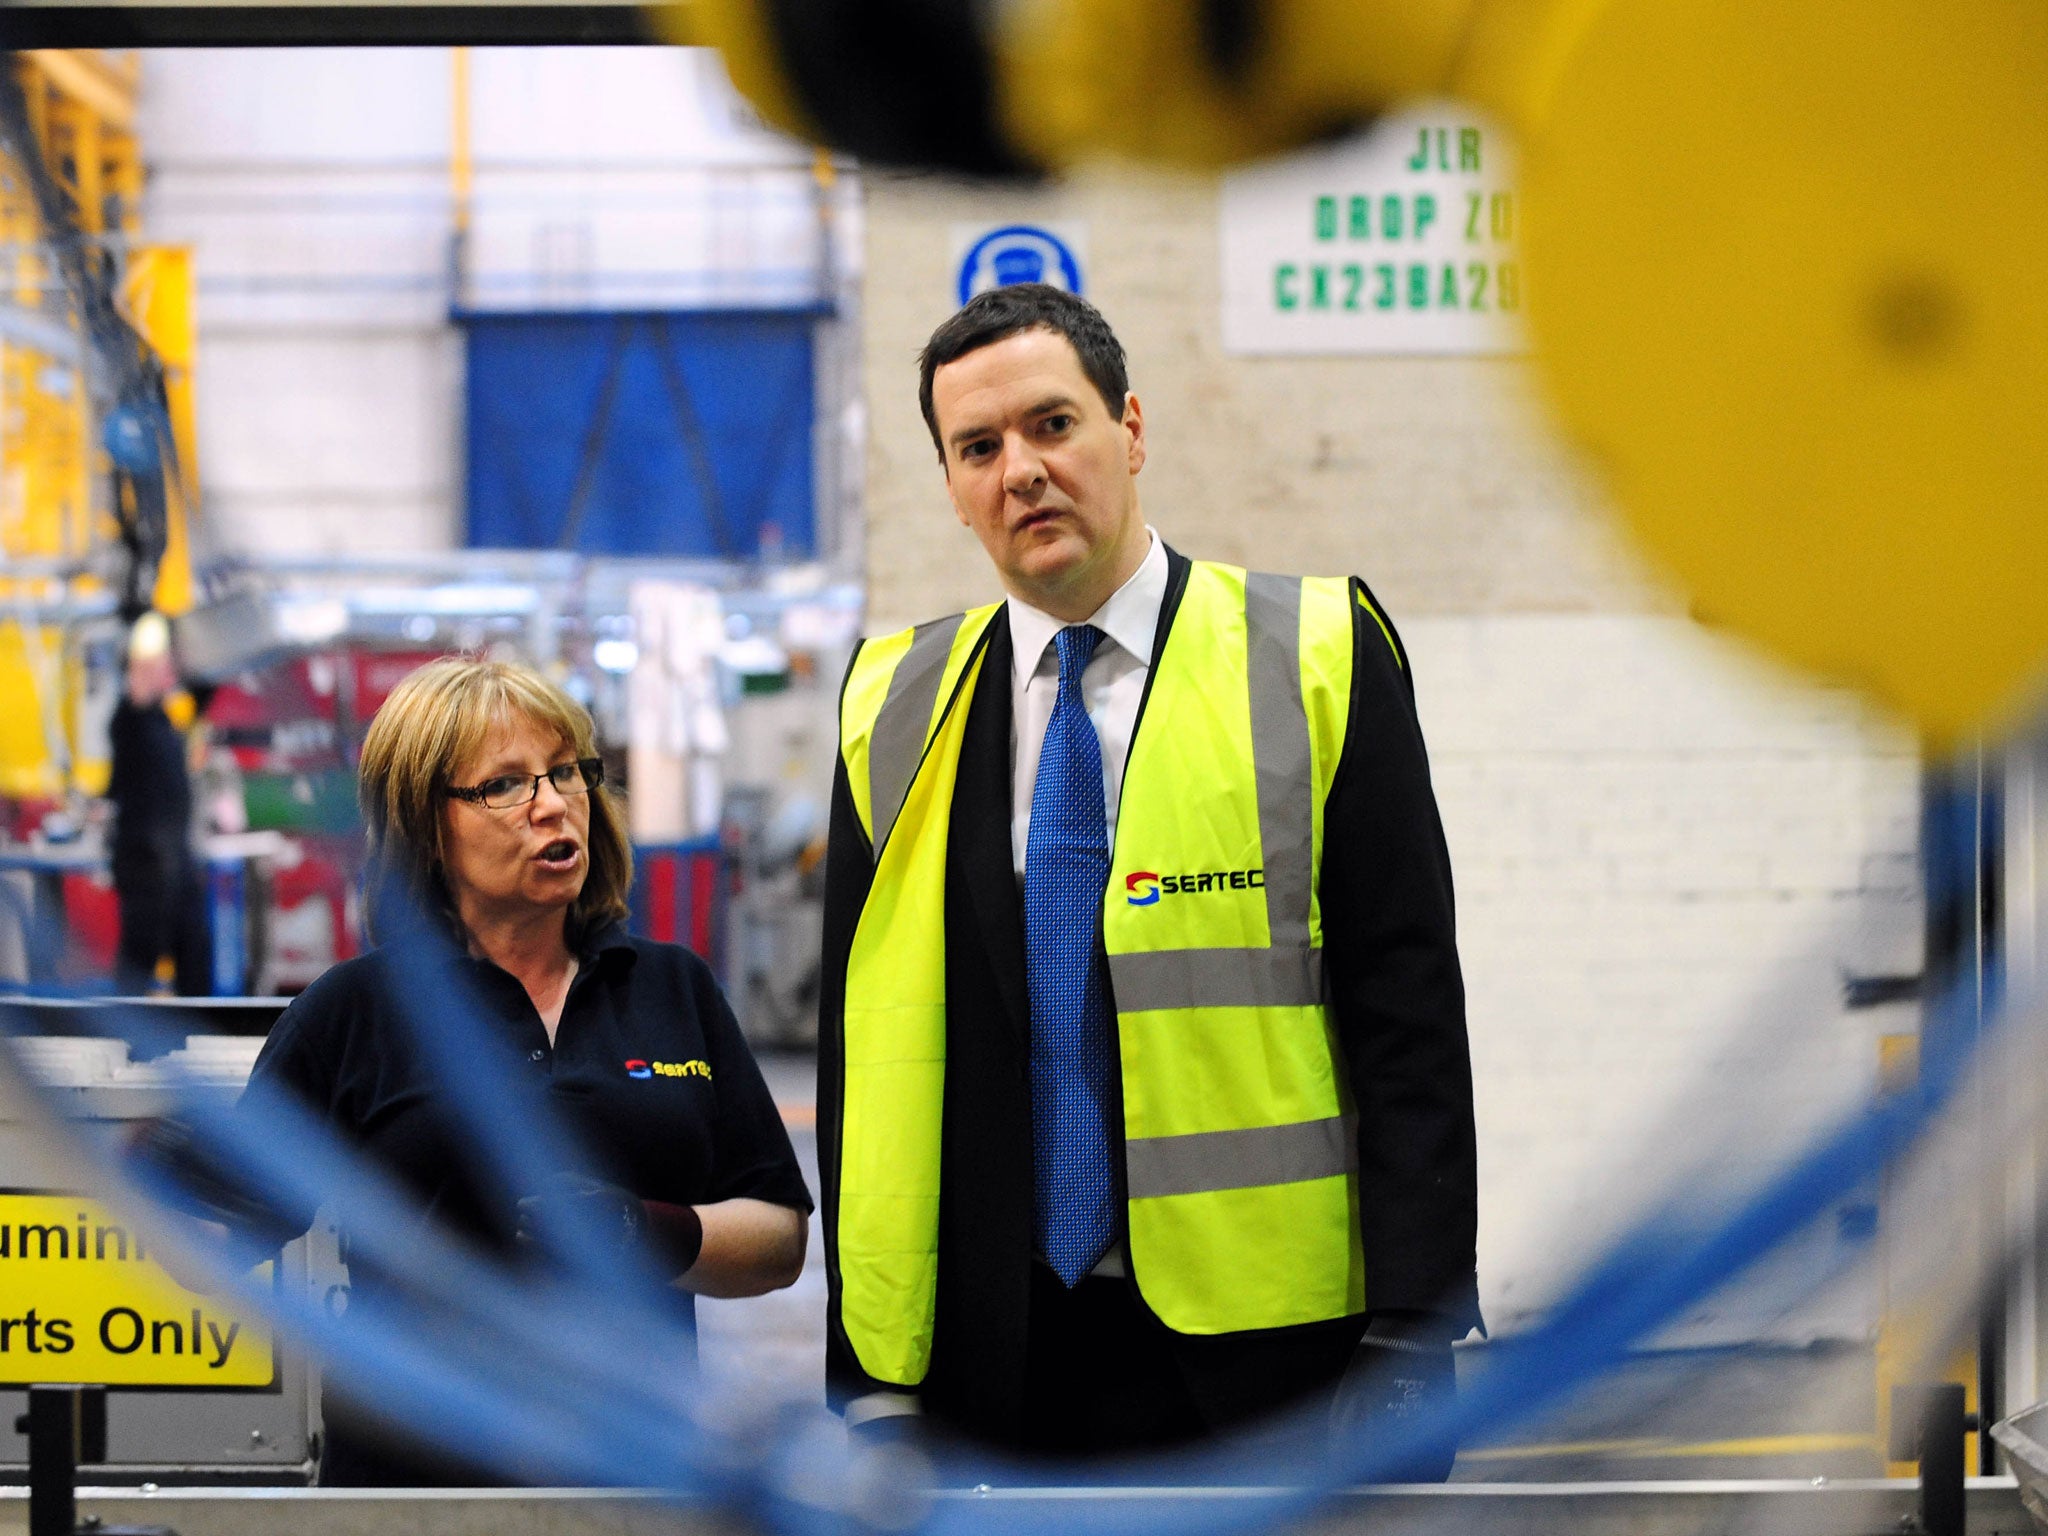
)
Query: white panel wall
[
  {"x": 315, "y": 187},
  {"x": 216, "y": 108},
  {"x": 338, "y": 441},
  {"x": 312, "y": 187}
]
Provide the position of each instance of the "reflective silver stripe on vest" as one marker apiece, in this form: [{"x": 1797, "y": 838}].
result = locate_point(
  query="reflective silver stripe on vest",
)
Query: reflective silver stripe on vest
[
  {"x": 897, "y": 746},
  {"x": 1217, "y": 978},
  {"x": 1280, "y": 751},
  {"x": 1211, "y": 1160}
]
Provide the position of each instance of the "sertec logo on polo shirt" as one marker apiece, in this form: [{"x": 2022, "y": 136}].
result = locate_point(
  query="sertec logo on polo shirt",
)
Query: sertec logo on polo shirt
[
  {"x": 638, "y": 1068},
  {"x": 1146, "y": 886}
]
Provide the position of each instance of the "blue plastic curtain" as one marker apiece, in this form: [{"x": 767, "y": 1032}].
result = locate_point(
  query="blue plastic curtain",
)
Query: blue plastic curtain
[{"x": 682, "y": 434}]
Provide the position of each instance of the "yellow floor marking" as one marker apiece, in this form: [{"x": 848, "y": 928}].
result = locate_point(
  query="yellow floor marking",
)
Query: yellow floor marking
[{"x": 1763, "y": 1445}]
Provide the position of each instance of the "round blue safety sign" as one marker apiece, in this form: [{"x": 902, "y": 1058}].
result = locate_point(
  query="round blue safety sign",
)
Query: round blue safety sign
[{"x": 1018, "y": 253}]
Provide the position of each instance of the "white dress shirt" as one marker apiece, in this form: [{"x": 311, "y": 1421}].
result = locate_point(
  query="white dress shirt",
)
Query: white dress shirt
[{"x": 1111, "y": 686}]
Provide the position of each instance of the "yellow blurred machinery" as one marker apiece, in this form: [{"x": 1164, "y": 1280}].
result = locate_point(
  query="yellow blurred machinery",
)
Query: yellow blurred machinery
[
  {"x": 1782, "y": 261},
  {"x": 84, "y": 529}
]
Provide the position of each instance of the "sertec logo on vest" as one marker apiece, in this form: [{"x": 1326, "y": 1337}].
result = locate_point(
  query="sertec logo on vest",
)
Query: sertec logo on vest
[{"x": 1144, "y": 887}]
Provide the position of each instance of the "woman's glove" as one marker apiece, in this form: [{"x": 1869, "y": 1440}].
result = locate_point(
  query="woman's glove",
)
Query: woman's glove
[
  {"x": 575, "y": 1203},
  {"x": 1401, "y": 1375},
  {"x": 628, "y": 1225}
]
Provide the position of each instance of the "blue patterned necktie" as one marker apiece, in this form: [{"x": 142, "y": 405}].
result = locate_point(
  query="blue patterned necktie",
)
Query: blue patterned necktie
[{"x": 1066, "y": 867}]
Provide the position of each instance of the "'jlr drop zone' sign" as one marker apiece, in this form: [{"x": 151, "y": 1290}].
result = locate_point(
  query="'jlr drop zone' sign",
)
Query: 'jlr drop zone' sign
[
  {"x": 82, "y": 1300},
  {"x": 1399, "y": 241}
]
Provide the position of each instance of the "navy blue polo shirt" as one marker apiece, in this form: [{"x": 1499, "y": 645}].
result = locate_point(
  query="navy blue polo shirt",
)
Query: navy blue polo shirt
[{"x": 648, "y": 1075}]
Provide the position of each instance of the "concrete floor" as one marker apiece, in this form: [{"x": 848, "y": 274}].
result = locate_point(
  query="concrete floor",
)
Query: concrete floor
[
  {"x": 773, "y": 1347},
  {"x": 1738, "y": 1413}
]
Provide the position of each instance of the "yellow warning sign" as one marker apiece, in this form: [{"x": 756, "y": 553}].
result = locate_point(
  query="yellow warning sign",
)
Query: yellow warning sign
[{"x": 82, "y": 1300}]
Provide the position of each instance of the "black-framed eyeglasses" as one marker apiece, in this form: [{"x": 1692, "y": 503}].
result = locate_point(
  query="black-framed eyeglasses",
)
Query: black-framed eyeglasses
[{"x": 509, "y": 789}]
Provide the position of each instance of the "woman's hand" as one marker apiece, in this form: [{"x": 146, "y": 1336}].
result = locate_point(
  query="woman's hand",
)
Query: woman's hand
[
  {"x": 197, "y": 1180},
  {"x": 210, "y": 1214}
]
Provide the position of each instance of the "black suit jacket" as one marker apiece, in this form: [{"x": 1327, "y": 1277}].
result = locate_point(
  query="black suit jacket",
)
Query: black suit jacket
[{"x": 1391, "y": 957}]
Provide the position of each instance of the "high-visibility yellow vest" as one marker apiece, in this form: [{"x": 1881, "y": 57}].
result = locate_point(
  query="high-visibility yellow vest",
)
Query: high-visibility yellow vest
[{"x": 1240, "y": 1151}]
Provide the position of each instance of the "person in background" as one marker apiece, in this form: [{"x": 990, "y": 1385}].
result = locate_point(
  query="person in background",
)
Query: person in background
[
  {"x": 495, "y": 848},
  {"x": 161, "y": 898},
  {"x": 1145, "y": 1102}
]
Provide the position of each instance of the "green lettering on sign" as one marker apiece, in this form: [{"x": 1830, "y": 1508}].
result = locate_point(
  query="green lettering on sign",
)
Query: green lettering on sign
[
  {"x": 1433, "y": 150},
  {"x": 1326, "y": 218}
]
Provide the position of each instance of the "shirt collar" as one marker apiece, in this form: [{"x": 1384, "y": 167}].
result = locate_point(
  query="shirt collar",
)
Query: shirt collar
[
  {"x": 1130, "y": 617},
  {"x": 605, "y": 942}
]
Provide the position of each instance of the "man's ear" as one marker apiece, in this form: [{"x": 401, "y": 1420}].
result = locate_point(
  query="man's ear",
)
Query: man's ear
[
  {"x": 958, "y": 510},
  {"x": 1134, "y": 424}
]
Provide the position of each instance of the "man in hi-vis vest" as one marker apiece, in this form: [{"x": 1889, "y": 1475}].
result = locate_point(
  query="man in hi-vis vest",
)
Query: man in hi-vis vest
[{"x": 1144, "y": 1101}]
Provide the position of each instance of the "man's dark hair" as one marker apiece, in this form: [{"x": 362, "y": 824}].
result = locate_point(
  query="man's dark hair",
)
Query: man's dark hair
[{"x": 1001, "y": 313}]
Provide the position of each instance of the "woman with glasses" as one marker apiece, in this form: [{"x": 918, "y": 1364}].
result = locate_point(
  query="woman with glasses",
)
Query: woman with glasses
[{"x": 499, "y": 874}]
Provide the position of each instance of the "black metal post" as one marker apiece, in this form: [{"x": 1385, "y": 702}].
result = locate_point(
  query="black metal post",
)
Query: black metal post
[
  {"x": 1943, "y": 1423},
  {"x": 65, "y": 1426},
  {"x": 1928, "y": 1426}
]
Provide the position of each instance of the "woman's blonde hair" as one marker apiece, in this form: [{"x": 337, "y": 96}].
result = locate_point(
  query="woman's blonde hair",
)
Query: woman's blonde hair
[{"x": 434, "y": 722}]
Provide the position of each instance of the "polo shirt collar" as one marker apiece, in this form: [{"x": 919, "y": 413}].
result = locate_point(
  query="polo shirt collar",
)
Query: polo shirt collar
[
  {"x": 607, "y": 941},
  {"x": 600, "y": 945},
  {"x": 1130, "y": 617}
]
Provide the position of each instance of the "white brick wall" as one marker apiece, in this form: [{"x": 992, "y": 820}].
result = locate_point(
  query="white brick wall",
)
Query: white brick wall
[
  {"x": 1667, "y": 858},
  {"x": 1434, "y": 477}
]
